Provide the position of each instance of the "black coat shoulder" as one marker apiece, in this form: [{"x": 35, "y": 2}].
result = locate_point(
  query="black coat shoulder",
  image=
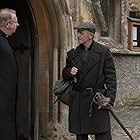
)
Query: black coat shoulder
[
  {"x": 71, "y": 51},
  {"x": 100, "y": 47}
]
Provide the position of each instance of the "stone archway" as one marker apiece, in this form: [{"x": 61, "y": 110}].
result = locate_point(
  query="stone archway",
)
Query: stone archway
[
  {"x": 48, "y": 23},
  {"x": 53, "y": 24}
]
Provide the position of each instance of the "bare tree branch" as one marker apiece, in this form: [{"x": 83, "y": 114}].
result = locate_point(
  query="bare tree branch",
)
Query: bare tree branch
[{"x": 99, "y": 15}]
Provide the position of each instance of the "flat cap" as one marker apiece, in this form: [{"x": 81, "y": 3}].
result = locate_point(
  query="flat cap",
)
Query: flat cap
[{"x": 90, "y": 26}]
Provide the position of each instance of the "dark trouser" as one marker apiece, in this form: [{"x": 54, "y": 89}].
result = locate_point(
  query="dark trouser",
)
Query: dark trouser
[{"x": 99, "y": 136}]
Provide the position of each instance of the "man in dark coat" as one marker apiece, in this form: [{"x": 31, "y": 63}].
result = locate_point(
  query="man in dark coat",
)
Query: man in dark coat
[
  {"x": 91, "y": 67},
  {"x": 8, "y": 76}
]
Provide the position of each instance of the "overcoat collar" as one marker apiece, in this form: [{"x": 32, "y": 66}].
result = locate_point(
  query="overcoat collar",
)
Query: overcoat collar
[
  {"x": 95, "y": 47},
  {"x": 93, "y": 57},
  {"x": 76, "y": 57}
]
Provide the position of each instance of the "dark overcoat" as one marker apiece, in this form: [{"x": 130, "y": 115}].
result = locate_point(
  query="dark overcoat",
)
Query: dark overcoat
[
  {"x": 95, "y": 70},
  {"x": 8, "y": 89}
]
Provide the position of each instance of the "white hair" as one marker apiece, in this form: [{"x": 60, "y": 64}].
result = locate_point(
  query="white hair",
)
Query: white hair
[{"x": 5, "y": 15}]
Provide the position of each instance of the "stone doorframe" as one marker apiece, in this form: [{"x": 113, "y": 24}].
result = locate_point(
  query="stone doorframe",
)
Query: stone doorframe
[{"x": 55, "y": 34}]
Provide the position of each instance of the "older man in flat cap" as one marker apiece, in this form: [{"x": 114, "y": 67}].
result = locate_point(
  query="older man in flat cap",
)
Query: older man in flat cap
[{"x": 91, "y": 67}]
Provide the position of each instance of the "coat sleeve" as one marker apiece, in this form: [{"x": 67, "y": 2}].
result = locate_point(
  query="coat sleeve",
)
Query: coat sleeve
[
  {"x": 66, "y": 70},
  {"x": 110, "y": 76}
]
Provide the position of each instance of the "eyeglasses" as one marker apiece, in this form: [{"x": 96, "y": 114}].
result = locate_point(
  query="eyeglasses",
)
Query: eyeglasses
[{"x": 14, "y": 22}]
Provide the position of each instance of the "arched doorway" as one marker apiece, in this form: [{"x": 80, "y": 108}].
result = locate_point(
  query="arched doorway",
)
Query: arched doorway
[
  {"x": 53, "y": 22},
  {"x": 24, "y": 42},
  {"x": 40, "y": 44}
]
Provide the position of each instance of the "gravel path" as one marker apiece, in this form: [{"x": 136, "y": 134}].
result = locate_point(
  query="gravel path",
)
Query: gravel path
[{"x": 131, "y": 120}]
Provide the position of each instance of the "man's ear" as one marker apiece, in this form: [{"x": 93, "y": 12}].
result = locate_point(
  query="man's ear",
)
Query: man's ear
[
  {"x": 7, "y": 24},
  {"x": 90, "y": 36}
]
